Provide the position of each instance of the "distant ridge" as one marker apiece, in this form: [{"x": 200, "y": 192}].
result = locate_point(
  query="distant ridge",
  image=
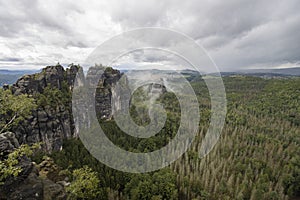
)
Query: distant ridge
[
  {"x": 7, "y": 71},
  {"x": 284, "y": 71},
  {"x": 11, "y": 76}
]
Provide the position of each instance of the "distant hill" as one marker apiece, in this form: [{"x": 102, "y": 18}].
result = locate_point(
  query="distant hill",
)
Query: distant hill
[
  {"x": 11, "y": 76},
  {"x": 284, "y": 71},
  {"x": 14, "y": 72},
  {"x": 265, "y": 73}
]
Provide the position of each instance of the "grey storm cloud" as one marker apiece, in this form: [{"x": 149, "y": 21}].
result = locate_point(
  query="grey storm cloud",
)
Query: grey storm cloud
[
  {"x": 151, "y": 56},
  {"x": 5, "y": 59},
  {"x": 236, "y": 33},
  {"x": 17, "y": 16}
]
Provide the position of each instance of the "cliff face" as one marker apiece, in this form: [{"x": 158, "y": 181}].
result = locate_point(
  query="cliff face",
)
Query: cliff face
[
  {"x": 105, "y": 79},
  {"x": 51, "y": 75},
  {"x": 52, "y": 124},
  {"x": 47, "y": 124}
]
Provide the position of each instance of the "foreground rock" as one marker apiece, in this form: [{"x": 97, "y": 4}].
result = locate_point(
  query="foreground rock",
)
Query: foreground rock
[{"x": 28, "y": 184}]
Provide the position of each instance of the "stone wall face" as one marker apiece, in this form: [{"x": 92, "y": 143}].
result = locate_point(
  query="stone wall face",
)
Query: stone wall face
[
  {"x": 47, "y": 124},
  {"x": 105, "y": 79},
  {"x": 52, "y": 125}
]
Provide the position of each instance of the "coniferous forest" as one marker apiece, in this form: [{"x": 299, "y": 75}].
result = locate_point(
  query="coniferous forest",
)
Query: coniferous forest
[{"x": 257, "y": 156}]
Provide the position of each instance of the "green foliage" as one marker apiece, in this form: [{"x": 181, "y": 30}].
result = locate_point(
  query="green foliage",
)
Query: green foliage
[
  {"x": 159, "y": 185},
  {"x": 55, "y": 97},
  {"x": 85, "y": 184},
  {"x": 257, "y": 156},
  {"x": 139, "y": 112},
  {"x": 75, "y": 156},
  {"x": 291, "y": 181},
  {"x": 9, "y": 165},
  {"x": 14, "y": 109}
]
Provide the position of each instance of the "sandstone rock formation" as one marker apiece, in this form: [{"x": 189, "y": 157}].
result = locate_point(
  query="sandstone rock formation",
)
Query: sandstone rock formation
[
  {"x": 28, "y": 184},
  {"x": 105, "y": 79},
  {"x": 51, "y": 125},
  {"x": 47, "y": 124}
]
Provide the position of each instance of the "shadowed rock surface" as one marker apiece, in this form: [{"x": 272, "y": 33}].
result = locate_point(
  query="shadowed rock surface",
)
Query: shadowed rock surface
[
  {"x": 105, "y": 79},
  {"x": 28, "y": 184},
  {"x": 51, "y": 125}
]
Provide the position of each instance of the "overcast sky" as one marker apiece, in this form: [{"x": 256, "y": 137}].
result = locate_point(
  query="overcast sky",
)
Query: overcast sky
[{"x": 237, "y": 34}]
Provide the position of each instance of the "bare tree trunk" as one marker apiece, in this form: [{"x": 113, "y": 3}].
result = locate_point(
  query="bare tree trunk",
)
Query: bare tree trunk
[{"x": 11, "y": 121}]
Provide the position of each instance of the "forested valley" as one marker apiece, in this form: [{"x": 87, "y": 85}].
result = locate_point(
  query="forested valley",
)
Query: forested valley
[{"x": 257, "y": 156}]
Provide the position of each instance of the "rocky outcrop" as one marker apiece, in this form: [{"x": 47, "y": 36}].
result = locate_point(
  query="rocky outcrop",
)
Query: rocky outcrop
[
  {"x": 48, "y": 169},
  {"x": 105, "y": 79},
  {"x": 55, "y": 76},
  {"x": 28, "y": 184},
  {"x": 48, "y": 124},
  {"x": 8, "y": 143},
  {"x": 51, "y": 125}
]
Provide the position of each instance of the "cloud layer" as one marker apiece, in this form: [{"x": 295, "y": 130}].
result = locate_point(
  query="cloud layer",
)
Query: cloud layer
[{"x": 237, "y": 34}]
